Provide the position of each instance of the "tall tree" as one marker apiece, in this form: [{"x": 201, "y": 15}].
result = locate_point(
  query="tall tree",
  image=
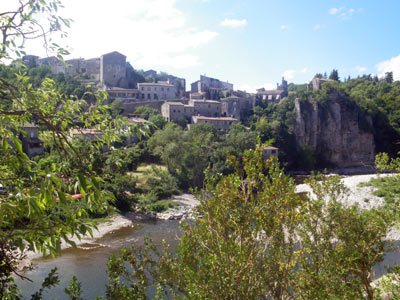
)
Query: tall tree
[
  {"x": 334, "y": 75},
  {"x": 389, "y": 77}
]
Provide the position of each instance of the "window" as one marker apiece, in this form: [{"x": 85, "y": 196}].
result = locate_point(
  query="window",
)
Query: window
[
  {"x": 162, "y": 89},
  {"x": 273, "y": 151},
  {"x": 167, "y": 89},
  {"x": 155, "y": 88},
  {"x": 148, "y": 96},
  {"x": 142, "y": 88},
  {"x": 155, "y": 97},
  {"x": 174, "y": 110}
]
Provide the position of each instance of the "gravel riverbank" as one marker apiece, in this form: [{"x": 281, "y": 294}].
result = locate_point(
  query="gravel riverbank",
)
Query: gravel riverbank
[{"x": 187, "y": 202}]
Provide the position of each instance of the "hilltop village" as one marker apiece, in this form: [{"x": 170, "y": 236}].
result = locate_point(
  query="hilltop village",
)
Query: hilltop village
[{"x": 209, "y": 100}]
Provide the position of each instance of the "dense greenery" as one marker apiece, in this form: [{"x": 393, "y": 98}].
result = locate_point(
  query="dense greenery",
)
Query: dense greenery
[
  {"x": 187, "y": 154},
  {"x": 367, "y": 95},
  {"x": 255, "y": 238}
]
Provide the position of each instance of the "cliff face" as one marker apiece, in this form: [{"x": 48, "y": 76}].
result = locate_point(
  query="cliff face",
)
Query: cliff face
[{"x": 334, "y": 132}]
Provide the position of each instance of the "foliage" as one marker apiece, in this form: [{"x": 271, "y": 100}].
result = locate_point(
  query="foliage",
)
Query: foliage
[
  {"x": 387, "y": 187},
  {"x": 146, "y": 112},
  {"x": 123, "y": 187},
  {"x": 254, "y": 238},
  {"x": 334, "y": 75},
  {"x": 38, "y": 210}
]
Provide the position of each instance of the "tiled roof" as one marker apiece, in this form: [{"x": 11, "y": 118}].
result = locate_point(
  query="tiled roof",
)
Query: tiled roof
[
  {"x": 205, "y": 101},
  {"x": 215, "y": 118},
  {"x": 271, "y": 92},
  {"x": 155, "y": 84}
]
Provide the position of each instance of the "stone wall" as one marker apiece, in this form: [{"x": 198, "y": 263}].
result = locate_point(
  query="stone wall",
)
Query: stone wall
[
  {"x": 112, "y": 69},
  {"x": 334, "y": 132}
]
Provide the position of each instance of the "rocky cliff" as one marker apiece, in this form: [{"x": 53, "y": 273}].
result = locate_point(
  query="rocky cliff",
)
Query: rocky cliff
[{"x": 337, "y": 133}]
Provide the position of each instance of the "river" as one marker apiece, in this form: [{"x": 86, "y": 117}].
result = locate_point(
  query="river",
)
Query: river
[{"x": 88, "y": 264}]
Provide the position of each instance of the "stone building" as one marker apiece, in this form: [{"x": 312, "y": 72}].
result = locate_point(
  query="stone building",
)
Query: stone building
[
  {"x": 150, "y": 73},
  {"x": 177, "y": 112},
  {"x": 273, "y": 95},
  {"x": 84, "y": 68},
  {"x": 31, "y": 144},
  {"x": 117, "y": 93},
  {"x": 317, "y": 82},
  {"x": 211, "y": 86},
  {"x": 230, "y": 107},
  {"x": 112, "y": 69},
  {"x": 197, "y": 96},
  {"x": 207, "y": 108},
  {"x": 157, "y": 91},
  {"x": 220, "y": 123},
  {"x": 270, "y": 151},
  {"x": 55, "y": 65}
]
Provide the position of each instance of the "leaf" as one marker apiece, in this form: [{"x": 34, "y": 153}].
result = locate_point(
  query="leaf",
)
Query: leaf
[{"x": 82, "y": 181}]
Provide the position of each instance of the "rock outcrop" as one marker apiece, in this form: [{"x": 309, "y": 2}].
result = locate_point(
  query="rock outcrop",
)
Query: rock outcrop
[{"x": 337, "y": 133}]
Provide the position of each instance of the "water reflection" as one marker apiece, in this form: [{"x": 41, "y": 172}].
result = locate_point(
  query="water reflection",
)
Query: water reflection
[{"x": 88, "y": 263}]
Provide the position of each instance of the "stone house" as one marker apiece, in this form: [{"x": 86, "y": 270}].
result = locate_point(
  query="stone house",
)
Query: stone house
[
  {"x": 317, "y": 82},
  {"x": 273, "y": 95},
  {"x": 270, "y": 151},
  {"x": 87, "y": 133},
  {"x": 231, "y": 107},
  {"x": 197, "y": 96},
  {"x": 122, "y": 94},
  {"x": 205, "y": 83},
  {"x": 157, "y": 91},
  {"x": 112, "y": 69},
  {"x": 220, "y": 123},
  {"x": 177, "y": 112},
  {"x": 31, "y": 144},
  {"x": 206, "y": 108}
]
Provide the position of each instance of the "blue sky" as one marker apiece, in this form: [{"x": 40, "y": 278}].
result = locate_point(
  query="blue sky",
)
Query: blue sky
[{"x": 251, "y": 43}]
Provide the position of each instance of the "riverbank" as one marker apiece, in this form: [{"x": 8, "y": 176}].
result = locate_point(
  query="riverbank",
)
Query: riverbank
[
  {"x": 187, "y": 202},
  {"x": 184, "y": 210}
]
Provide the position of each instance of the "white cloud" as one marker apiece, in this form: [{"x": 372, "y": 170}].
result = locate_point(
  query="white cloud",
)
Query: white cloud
[
  {"x": 343, "y": 12},
  {"x": 290, "y": 74},
  {"x": 318, "y": 27},
  {"x": 253, "y": 88},
  {"x": 151, "y": 33},
  {"x": 335, "y": 10},
  {"x": 361, "y": 69},
  {"x": 390, "y": 65},
  {"x": 234, "y": 23},
  {"x": 284, "y": 27}
]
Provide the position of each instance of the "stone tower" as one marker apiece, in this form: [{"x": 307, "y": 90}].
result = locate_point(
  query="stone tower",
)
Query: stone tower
[{"x": 112, "y": 69}]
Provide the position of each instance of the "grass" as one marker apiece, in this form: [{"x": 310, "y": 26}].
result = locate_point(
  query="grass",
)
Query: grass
[
  {"x": 143, "y": 172},
  {"x": 387, "y": 187}
]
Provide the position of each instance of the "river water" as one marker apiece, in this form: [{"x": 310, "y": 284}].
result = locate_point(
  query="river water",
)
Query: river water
[{"x": 88, "y": 264}]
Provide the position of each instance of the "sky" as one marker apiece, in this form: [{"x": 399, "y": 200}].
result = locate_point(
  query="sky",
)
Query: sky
[{"x": 250, "y": 43}]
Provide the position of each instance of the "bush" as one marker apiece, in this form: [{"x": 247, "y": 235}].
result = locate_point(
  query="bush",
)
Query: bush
[{"x": 124, "y": 188}]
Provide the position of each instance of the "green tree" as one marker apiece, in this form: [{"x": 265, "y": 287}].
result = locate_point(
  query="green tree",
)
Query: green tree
[
  {"x": 38, "y": 209},
  {"x": 389, "y": 77},
  {"x": 255, "y": 238},
  {"x": 334, "y": 75}
]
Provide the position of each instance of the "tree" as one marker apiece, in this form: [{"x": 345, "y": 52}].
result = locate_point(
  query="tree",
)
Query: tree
[
  {"x": 389, "y": 77},
  {"x": 20, "y": 24},
  {"x": 334, "y": 75},
  {"x": 39, "y": 208},
  {"x": 255, "y": 238}
]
